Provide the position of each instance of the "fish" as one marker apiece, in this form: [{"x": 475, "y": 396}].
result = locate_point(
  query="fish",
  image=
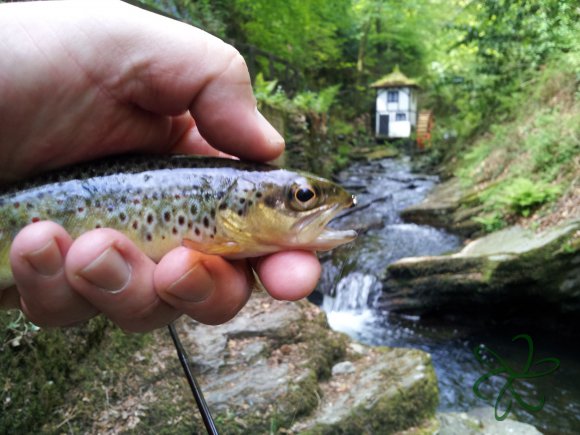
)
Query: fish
[{"x": 217, "y": 206}]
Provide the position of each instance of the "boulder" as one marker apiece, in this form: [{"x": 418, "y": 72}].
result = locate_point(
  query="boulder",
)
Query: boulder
[
  {"x": 276, "y": 367},
  {"x": 512, "y": 267},
  {"x": 481, "y": 421},
  {"x": 441, "y": 209},
  {"x": 386, "y": 390}
]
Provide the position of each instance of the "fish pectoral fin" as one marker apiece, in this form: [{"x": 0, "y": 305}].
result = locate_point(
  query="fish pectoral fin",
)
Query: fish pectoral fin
[{"x": 215, "y": 247}]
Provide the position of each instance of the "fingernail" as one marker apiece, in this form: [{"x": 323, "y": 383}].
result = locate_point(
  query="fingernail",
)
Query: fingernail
[
  {"x": 198, "y": 278},
  {"x": 109, "y": 271},
  {"x": 275, "y": 139},
  {"x": 46, "y": 261}
]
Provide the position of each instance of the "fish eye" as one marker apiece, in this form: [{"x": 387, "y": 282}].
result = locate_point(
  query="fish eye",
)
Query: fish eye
[
  {"x": 303, "y": 197},
  {"x": 304, "y": 194}
]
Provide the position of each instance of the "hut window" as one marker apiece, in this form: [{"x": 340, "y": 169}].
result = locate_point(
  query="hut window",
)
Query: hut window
[
  {"x": 393, "y": 96},
  {"x": 401, "y": 117}
]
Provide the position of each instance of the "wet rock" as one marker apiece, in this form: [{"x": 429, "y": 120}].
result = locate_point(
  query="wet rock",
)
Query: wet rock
[
  {"x": 513, "y": 267},
  {"x": 343, "y": 368},
  {"x": 441, "y": 209},
  {"x": 375, "y": 153},
  {"x": 481, "y": 421},
  {"x": 279, "y": 362},
  {"x": 389, "y": 390}
]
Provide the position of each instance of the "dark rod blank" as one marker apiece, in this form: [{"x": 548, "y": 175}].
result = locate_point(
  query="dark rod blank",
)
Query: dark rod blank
[{"x": 195, "y": 388}]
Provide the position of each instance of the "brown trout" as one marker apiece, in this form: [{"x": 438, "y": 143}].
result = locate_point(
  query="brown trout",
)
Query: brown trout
[{"x": 217, "y": 206}]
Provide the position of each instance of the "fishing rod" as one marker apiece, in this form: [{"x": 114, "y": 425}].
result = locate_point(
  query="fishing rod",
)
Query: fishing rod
[{"x": 195, "y": 388}]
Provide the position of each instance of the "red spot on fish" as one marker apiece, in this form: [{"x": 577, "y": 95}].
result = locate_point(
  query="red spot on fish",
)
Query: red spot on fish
[
  {"x": 16, "y": 204},
  {"x": 35, "y": 219}
]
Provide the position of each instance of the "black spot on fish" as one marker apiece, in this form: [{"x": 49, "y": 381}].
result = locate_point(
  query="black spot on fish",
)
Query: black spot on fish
[
  {"x": 174, "y": 230},
  {"x": 122, "y": 217},
  {"x": 197, "y": 232},
  {"x": 206, "y": 222},
  {"x": 250, "y": 203},
  {"x": 207, "y": 196},
  {"x": 16, "y": 204},
  {"x": 242, "y": 200},
  {"x": 28, "y": 205},
  {"x": 190, "y": 225},
  {"x": 212, "y": 213},
  {"x": 270, "y": 201},
  {"x": 149, "y": 237},
  {"x": 135, "y": 225},
  {"x": 258, "y": 194},
  {"x": 181, "y": 220},
  {"x": 193, "y": 209},
  {"x": 223, "y": 206},
  {"x": 81, "y": 209},
  {"x": 215, "y": 230},
  {"x": 167, "y": 216},
  {"x": 149, "y": 218},
  {"x": 240, "y": 212}
]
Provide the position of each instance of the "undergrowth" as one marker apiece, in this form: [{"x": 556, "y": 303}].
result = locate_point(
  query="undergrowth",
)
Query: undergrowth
[{"x": 523, "y": 166}]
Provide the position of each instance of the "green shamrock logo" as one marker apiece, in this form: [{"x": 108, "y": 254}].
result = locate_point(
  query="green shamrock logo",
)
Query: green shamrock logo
[{"x": 497, "y": 366}]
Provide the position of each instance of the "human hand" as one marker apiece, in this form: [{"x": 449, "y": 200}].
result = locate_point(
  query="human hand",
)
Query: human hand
[{"x": 85, "y": 79}]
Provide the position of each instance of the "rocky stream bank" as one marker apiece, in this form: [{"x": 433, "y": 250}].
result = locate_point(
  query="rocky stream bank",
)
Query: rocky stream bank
[{"x": 510, "y": 273}]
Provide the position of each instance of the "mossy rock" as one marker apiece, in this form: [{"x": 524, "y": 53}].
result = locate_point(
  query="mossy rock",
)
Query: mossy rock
[{"x": 36, "y": 376}]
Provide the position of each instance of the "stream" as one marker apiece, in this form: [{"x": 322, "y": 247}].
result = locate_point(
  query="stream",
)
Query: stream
[{"x": 351, "y": 286}]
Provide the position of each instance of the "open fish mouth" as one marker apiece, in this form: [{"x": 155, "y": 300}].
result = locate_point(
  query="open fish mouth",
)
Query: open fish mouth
[{"x": 312, "y": 233}]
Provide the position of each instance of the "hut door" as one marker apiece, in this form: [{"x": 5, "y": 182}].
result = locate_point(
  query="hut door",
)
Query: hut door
[{"x": 383, "y": 125}]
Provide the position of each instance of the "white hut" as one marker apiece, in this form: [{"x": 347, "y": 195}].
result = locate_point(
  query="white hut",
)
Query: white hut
[{"x": 396, "y": 107}]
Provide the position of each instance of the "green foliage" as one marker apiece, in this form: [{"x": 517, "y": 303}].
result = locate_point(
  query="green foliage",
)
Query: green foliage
[
  {"x": 20, "y": 331},
  {"x": 304, "y": 33},
  {"x": 316, "y": 102},
  {"x": 496, "y": 48},
  {"x": 522, "y": 195},
  {"x": 491, "y": 221},
  {"x": 209, "y": 15},
  {"x": 268, "y": 93}
]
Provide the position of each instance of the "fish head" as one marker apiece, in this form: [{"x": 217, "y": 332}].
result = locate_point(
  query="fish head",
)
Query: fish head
[{"x": 284, "y": 210}]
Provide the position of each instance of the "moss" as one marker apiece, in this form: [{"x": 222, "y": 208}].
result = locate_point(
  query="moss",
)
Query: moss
[
  {"x": 38, "y": 375},
  {"x": 391, "y": 413}
]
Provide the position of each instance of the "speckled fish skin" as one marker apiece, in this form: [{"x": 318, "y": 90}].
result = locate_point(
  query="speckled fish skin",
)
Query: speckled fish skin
[{"x": 217, "y": 206}]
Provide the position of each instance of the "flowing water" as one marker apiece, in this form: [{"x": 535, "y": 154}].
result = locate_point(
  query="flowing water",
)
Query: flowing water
[{"x": 352, "y": 281}]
